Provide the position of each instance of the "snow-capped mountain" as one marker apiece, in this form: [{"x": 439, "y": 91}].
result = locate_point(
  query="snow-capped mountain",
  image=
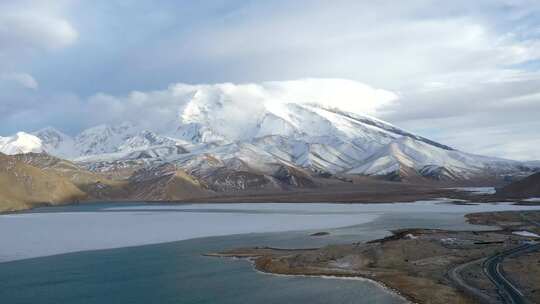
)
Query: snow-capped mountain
[
  {"x": 104, "y": 139},
  {"x": 20, "y": 143},
  {"x": 213, "y": 133},
  {"x": 56, "y": 142},
  {"x": 224, "y": 122}
]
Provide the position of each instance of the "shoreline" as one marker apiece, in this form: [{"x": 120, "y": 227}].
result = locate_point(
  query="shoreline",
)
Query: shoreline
[
  {"x": 309, "y": 197},
  {"x": 387, "y": 261},
  {"x": 356, "y": 277},
  {"x": 377, "y": 283}
]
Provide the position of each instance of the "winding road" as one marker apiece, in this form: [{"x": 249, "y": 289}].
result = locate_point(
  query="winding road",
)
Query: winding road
[
  {"x": 455, "y": 276},
  {"x": 492, "y": 268}
]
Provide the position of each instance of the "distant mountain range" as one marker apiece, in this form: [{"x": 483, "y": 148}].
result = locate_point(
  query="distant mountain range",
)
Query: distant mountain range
[{"x": 213, "y": 146}]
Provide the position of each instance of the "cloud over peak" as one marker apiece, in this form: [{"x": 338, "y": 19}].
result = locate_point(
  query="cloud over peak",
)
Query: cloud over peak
[{"x": 155, "y": 108}]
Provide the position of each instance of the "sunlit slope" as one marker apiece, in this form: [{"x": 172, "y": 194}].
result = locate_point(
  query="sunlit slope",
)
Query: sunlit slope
[{"x": 23, "y": 186}]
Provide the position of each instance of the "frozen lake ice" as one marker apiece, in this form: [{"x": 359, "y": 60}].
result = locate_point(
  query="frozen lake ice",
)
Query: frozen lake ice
[{"x": 57, "y": 230}]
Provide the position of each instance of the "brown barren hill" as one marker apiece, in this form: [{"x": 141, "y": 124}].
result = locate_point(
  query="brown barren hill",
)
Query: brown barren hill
[
  {"x": 23, "y": 186},
  {"x": 527, "y": 187},
  {"x": 98, "y": 186},
  {"x": 165, "y": 183}
]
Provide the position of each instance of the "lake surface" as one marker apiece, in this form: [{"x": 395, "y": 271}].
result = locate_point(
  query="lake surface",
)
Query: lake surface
[{"x": 49, "y": 254}]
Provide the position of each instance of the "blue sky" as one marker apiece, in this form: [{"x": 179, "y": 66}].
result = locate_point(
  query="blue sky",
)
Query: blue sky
[{"x": 466, "y": 74}]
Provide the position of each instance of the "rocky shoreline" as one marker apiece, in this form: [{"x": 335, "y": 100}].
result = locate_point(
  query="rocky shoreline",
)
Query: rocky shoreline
[{"x": 413, "y": 262}]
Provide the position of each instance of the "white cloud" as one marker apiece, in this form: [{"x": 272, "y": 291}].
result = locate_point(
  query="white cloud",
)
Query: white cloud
[
  {"x": 23, "y": 79},
  {"x": 343, "y": 94},
  {"x": 29, "y": 27},
  {"x": 389, "y": 44},
  {"x": 514, "y": 141},
  {"x": 236, "y": 102},
  {"x": 29, "y": 30}
]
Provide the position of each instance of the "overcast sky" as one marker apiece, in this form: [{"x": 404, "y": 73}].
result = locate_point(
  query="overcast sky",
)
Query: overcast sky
[{"x": 464, "y": 73}]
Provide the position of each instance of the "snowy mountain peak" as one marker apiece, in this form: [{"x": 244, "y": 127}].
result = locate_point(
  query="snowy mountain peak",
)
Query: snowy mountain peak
[
  {"x": 20, "y": 143},
  {"x": 104, "y": 138},
  {"x": 49, "y": 129},
  {"x": 51, "y": 137},
  {"x": 56, "y": 142}
]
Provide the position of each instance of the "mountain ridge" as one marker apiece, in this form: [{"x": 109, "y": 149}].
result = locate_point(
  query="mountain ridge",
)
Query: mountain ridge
[{"x": 214, "y": 147}]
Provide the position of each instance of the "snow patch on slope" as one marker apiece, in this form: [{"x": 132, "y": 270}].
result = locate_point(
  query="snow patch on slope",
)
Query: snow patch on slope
[{"x": 406, "y": 152}]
